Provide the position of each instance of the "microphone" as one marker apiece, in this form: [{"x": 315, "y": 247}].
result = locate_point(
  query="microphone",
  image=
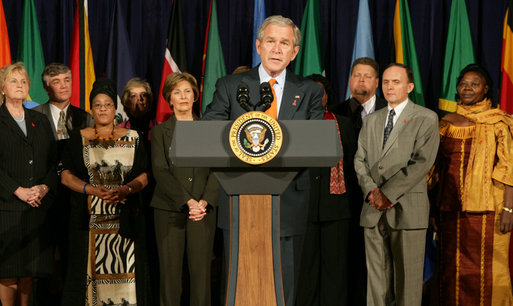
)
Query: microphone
[
  {"x": 266, "y": 96},
  {"x": 243, "y": 96}
]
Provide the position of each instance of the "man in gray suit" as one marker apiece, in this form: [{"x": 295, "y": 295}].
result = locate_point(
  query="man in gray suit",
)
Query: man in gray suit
[
  {"x": 297, "y": 98},
  {"x": 396, "y": 148}
]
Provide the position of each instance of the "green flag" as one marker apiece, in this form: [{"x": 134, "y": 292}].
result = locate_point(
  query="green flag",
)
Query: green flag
[
  {"x": 30, "y": 52},
  {"x": 309, "y": 58},
  {"x": 213, "y": 60},
  {"x": 405, "y": 50},
  {"x": 459, "y": 52}
]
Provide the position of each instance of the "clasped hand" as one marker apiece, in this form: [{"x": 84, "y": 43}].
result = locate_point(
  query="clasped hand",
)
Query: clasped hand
[
  {"x": 379, "y": 200},
  {"x": 33, "y": 195},
  {"x": 197, "y": 209},
  {"x": 115, "y": 195}
]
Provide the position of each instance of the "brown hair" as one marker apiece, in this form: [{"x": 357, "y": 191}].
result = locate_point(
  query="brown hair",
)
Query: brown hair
[
  {"x": 409, "y": 72},
  {"x": 172, "y": 81},
  {"x": 366, "y": 61}
]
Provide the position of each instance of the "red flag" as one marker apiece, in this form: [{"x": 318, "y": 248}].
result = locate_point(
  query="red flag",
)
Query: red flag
[
  {"x": 506, "y": 99},
  {"x": 81, "y": 59},
  {"x": 5, "y": 49},
  {"x": 175, "y": 57}
]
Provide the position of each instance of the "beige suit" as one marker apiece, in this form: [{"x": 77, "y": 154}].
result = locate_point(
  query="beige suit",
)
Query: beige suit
[{"x": 395, "y": 238}]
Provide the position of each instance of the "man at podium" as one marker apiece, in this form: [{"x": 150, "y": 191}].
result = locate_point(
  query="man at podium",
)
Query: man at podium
[{"x": 295, "y": 98}]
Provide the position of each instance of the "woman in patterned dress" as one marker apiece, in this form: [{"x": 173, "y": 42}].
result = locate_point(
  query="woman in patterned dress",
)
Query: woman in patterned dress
[
  {"x": 475, "y": 199},
  {"x": 105, "y": 166}
]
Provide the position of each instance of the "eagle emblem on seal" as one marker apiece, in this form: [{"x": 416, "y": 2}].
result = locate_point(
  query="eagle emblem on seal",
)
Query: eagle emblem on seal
[{"x": 255, "y": 137}]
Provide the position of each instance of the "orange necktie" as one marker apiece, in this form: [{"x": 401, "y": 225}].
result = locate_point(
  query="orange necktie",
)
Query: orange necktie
[{"x": 273, "y": 110}]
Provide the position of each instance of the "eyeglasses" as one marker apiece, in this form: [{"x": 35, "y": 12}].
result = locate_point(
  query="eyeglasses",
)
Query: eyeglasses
[
  {"x": 107, "y": 105},
  {"x": 142, "y": 96}
]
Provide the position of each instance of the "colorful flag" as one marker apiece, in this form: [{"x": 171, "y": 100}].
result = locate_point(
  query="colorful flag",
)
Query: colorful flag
[
  {"x": 309, "y": 58},
  {"x": 405, "y": 51},
  {"x": 363, "y": 43},
  {"x": 81, "y": 59},
  {"x": 213, "y": 59},
  {"x": 174, "y": 58},
  {"x": 459, "y": 52},
  {"x": 30, "y": 52},
  {"x": 258, "y": 18},
  {"x": 5, "y": 49},
  {"x": 120, "y": 65},
  {"x": 506, "y": 99}
]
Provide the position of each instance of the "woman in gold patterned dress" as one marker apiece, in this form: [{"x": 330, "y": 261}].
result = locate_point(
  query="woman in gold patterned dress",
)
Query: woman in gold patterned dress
[
  {"x": 105, "y": 166},
  {"x": 474, "y": 171}
]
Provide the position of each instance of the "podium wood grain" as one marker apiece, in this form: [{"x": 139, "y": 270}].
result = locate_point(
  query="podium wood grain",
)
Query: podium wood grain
[{"x": 255, "y": 276}]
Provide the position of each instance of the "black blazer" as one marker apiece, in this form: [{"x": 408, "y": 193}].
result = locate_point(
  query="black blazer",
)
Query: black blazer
[
  {"x": 301, "y": 100},
  {"x": 348, "y": 108},
  {"x": 174, "y": 185},
  {"x": 76, "y": 118},
  {"x": 328, "y": 207},
  {"x": 26, "y": 161}
]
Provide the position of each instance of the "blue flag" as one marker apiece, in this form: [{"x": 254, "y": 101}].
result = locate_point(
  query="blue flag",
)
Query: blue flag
[
  {"x": 363, "y": 44},
  {"x": 259, "y": 17}
]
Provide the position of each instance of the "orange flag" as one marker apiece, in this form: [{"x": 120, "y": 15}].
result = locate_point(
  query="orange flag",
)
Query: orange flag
[{"x": 5, "y": 49}]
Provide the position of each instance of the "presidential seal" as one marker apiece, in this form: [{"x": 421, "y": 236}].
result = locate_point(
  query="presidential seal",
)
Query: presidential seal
[{"x": 255, "y": 138}]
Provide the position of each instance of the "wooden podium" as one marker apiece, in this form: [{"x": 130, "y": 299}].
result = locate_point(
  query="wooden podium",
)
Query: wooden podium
[{"x": 254, "y": 276}]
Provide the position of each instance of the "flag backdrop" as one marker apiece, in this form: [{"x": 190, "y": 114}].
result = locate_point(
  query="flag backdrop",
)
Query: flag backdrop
[
  {"x": 506, "y": 99},
  {"x": 405, "y": 50},
  {"x": 81, "y": 59},
  {"x": 459, "y": 52},
  {"x": 213, "y": 59},
  {"x": 258, "y": 18},
  {"x": 30, "y": 52},
  {"x": 174, "y": 57},
  {"x": 309, "y": 58},
  {"x": 5, "y": 49},
  {"x": 363, "y": 44},
  {"x": 120, "y": 65}
]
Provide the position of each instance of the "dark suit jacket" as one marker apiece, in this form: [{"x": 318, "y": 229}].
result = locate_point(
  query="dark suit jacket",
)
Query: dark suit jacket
[
  {"x": 328, "y": 207},
  {"x": 76, "y": 118},
  {"x": 301, "y": 100},
  {"x": 349, "y": 107},
  {"x": 175, "y": 186},
  {"x": 25, "y": 161}
]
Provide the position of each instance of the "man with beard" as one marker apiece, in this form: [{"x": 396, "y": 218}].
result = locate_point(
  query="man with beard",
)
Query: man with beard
[{"x": 363, "y": 83}]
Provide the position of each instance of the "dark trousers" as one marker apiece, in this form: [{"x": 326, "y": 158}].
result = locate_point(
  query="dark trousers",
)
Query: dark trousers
[{"x": 177, "y": 235}]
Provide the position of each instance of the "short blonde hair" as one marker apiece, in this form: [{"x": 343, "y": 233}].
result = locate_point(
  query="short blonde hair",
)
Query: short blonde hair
[
  {"x": 132, "y": 83},
  {"x": 172, "y": 81},
  {"x": 281, "y": 21},
  {"x": 7, "y": 70}
]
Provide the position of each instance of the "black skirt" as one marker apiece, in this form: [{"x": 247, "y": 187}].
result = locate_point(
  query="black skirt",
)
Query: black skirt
[{"x": 26, "y": 248}]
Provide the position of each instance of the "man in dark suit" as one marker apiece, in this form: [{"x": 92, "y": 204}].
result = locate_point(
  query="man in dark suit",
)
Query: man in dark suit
[
  {"x": 363, "y": 83},
  {"x": 297, "y": 99},
  {"x": 63, "y": 118},
  {"x": 396, "y": 148}
]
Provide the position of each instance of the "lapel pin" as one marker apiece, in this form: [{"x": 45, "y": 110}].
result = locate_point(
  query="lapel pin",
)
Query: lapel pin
[
  {"x": 404, "y": 121},
  {"x": 33, "y": 125},
  {"x": 294, "y": 103},
  {"x": 296, "y": 97}
]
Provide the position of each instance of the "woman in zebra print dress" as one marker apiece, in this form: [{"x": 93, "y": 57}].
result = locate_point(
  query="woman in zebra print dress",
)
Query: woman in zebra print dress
[{"x": 105, "y": 166}]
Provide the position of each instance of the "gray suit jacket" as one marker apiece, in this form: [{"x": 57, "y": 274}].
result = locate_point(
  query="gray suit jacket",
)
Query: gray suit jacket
[
  {"x": 301, "y": 100},
  {"x": 399, "y": 169}
]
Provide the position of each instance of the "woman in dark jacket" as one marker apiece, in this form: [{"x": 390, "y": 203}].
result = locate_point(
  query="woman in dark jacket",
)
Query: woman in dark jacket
[
  {"x": 184, "y": 202},
  {"x": 27, "y": 180}
]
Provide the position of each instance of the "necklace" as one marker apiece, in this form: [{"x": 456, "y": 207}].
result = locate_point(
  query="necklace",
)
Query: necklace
[{"x": 97, "y": 135}]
